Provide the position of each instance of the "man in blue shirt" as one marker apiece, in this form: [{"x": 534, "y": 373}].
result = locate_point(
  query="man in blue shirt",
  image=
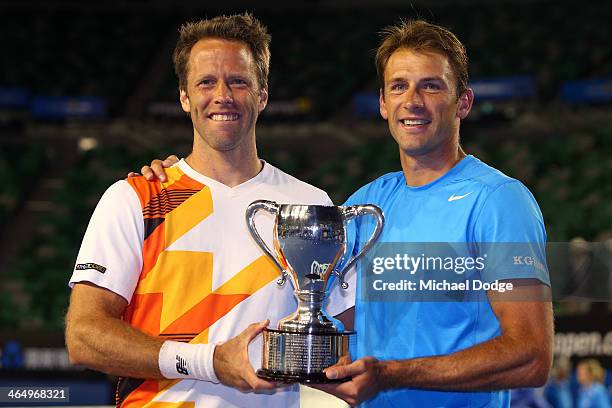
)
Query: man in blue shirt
[
  {"x": 445, "y": 353},
  {"x": 434, "y": 353}
]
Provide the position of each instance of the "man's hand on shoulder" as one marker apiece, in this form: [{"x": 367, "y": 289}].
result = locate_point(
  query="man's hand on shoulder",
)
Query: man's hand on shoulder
[
  {"x": 157, "y": 169},
  {"x": 232, "y": 365},
  {"x": 364, "y": 383}
]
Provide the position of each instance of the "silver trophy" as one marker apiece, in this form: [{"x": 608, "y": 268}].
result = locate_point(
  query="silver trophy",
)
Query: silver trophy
[{"x": 309, "y": 243}]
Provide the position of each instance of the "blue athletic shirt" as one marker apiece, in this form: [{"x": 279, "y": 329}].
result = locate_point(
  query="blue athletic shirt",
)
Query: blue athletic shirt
[{"x": 471, "y": 203}]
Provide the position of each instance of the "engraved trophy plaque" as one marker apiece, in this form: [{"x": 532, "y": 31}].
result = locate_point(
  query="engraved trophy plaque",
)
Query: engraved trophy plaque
[{"x": 309, "y": 244}]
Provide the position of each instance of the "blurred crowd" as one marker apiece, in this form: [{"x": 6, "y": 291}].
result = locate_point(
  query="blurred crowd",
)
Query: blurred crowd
[{"x": 584, "y": 387}]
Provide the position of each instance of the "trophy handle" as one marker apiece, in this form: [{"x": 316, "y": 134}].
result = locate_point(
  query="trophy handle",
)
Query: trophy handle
[
  {"x": 354, "y": 211},
  {"x": 271, "y": 207}
]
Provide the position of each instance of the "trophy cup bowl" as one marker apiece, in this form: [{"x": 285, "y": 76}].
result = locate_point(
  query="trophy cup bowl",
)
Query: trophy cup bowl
[{"x": 309, "y": 243}]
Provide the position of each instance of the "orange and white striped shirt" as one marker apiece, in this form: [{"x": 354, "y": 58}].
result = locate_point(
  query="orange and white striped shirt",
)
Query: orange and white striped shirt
[{"x": 180, "y": 253}]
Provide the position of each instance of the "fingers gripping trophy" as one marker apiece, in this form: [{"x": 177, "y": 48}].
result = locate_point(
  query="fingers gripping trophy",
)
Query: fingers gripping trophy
[{"x": 310, "y": 244}]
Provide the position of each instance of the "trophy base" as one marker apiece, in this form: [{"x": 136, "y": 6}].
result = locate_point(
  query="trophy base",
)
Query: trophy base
[
  {"x": 313, "y": 378},
  {"x": 301, "y": 357}
]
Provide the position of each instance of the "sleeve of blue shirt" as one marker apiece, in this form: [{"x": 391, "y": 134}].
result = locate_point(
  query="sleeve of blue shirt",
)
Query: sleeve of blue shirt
[{"x": 509, "y": 228}]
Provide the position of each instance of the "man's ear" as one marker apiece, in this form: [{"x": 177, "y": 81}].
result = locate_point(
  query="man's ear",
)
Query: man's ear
[
  {"x": 263, "y": 99},
  {"x": 383, "y": 107},
  {"x": 464, "y": 105},
  {"x": 184, "y": 98}
]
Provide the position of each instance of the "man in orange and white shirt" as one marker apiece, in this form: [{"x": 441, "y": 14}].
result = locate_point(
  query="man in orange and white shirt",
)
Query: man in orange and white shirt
[{"x": 167, "y": 277}]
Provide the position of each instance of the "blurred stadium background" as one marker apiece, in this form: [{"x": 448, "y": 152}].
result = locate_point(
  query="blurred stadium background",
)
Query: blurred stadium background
[{"x": 87, "y": 93}]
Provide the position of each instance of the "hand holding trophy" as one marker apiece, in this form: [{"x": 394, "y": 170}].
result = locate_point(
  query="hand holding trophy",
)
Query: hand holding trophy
[{"x": 309, "y": 242}]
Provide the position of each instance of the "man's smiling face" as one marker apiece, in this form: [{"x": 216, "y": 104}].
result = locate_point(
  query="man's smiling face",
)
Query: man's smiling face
[
  {"x": 223, "y": 96},
  {"x": 419, "y": 101}
]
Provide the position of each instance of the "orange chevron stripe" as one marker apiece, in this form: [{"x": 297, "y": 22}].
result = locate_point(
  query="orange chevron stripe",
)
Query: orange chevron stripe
[
  {"x": 160, "y": 238},
  {"x": 181, "y": 219},
  {"x": 250, "y": 279},
  {"x": 151, "y": 248},
  {"x": 217, "y": 304},
  {"x": 144, "y": 312},
  {"x": 143, "y": 188},
  {"x": 189, "y": 214},
  {"x": 184, "y": 277},
  {"x": 141, "y": 395},
  {"x": 209, "y": 310}
]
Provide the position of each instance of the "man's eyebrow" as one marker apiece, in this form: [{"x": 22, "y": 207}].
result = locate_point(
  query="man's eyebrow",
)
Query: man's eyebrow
[
  {"x": 435, "y": 78},
  {"x": 426, "y": 79},
  {"x": 237, "y": 75},
  {"x": 201, "y": 76}
]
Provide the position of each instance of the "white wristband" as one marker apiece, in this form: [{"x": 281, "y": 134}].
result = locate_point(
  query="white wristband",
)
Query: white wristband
[{"x": 183, "y": 360}]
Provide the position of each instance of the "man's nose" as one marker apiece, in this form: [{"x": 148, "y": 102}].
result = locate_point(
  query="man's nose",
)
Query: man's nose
[
  {"x": 413, "y": 101},
  {"x": 223, "y": 93}
]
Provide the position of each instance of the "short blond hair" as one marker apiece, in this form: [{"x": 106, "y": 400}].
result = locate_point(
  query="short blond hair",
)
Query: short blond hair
[
  {"x": 419, "y": 35},
  {"x": 238, "y": 27}
]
